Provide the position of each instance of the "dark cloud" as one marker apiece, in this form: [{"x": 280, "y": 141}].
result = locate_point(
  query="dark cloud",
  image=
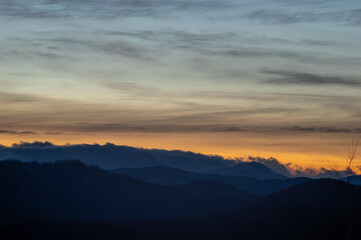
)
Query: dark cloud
[
  {"x": 17, "y": 132},
  {"x": 106, "y": 9},
  {"x": 261, "y": 51},
  {"x": 319, "y": 43},
  {"x": 211, "y": 9},
  {"x": 27, "y": 132},
  {"x": 230, "y": 129},
  {"x": 55, "y": 47},
  {"x": 174, "y": 37},
  {"x": 8, "y": 98},
  {"x": 274, "y": 165},
  {"x": 35, "y": 144},
  {"x": 202, "y": 42},
  {"x": 155, "y": 46},
  {"x": 287, "y": 77},
  {"x": 218, "y": 44},
  {"x": 166, "y": 127},
  {"x": 235, "y": 114},
  {"x": 281, "y": 17},
  {"x": 292, "y": 170},
  {"x": 267, "y": 16},
  {"x": 319, "y": 129}
]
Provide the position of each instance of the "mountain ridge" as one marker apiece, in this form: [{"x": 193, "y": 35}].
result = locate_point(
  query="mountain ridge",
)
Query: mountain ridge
[{"x": 245, "y": 169}]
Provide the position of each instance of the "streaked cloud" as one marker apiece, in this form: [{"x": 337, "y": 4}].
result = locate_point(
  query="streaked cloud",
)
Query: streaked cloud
[
  {"x": 16, "y": 132},
  {"x": 286, "y": 77},
  {"x": 321, "y": 129},
  {"x": 268, "y": 16}
]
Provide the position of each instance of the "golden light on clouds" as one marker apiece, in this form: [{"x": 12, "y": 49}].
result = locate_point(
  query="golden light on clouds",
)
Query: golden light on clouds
[{"x": 306, "y": 150}]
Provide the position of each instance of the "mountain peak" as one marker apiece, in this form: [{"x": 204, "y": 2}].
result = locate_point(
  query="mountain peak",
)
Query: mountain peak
[{"x": 249, "y": 169}]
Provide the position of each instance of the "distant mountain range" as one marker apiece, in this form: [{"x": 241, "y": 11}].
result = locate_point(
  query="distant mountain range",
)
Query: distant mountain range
[
  {"x": 110, "y": 156},
  {"x": 171, "y": 176},
  {"x": 248, "y": 169},
  {"x": 356, "y": 180},
  {"x": 68, "y": 199}
]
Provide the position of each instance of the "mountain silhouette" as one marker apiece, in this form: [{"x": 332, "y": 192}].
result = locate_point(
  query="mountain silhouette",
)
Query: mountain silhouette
[
  {"x": 318, "y": 209},
  {"x": 111, "y": 156},
  {"x": 70, "y": 190},
  {"x": 248, "y": 169},
  {"x": 70, "y": 200},
  {"x": 172, "y": 176},
  {"x": 321, "y": 193}
]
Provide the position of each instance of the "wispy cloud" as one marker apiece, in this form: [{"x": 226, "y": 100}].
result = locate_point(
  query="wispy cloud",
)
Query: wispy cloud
[
  {"x": 17, "y": 132},
  {"x": 107, "y": 9},
  {"x": 268, "y": 16},
  {"x": 294, "y": 170},
  {"x": 288, "y": 77},
  {"x": 320, "y": 129}
]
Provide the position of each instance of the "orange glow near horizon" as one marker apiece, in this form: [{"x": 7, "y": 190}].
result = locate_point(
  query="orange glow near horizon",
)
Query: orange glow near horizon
[{"x": 304, "y": 150}]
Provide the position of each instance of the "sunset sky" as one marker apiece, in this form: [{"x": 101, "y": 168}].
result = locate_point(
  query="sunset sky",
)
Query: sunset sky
[{"x": 269, "y": 78}]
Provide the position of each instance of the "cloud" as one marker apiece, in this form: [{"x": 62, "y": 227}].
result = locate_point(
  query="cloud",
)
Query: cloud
[
  {"x": 281, "y": 17},
  {"x": 174, "y": 37},
  {"x": 269, "y": 16},
  {"x": 9, "y": 98},
  {"x": 133, "y": 88},
  {"x": 197, "y": 114},
  {"x": 152, "y": 127},
  {"x": 274, "y": 165},
  {"x": 54, "y": 133},
  {"x": 319, "y": 129},
  {"x": 292, "y": 78},
  {"x": 294, "y": 170},
  {"x": 225, "y": 44},
  {"x": 35, "y": 144},
  {"x": 17, "y": 132},
  {"x": 55, "y": 46},
  {"x": 107, "y": 9}
]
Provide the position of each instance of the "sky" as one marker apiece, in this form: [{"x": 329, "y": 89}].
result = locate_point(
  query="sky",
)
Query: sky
[{"x": 275, "y": 78}]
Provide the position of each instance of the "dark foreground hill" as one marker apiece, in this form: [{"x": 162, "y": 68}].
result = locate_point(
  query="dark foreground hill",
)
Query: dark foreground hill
[
  {"x": 320, "y": 209},
  {"x": 69, "y": 200},
  {"x": 70, "y": 190},
  {"x": 171, "y": 176}
]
